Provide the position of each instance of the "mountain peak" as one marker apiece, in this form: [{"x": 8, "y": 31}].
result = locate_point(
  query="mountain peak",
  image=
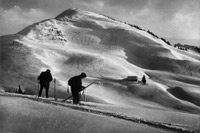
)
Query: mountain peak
[
  {"x": 69, "y": 12},
  {"x": 76, "y": 13}
]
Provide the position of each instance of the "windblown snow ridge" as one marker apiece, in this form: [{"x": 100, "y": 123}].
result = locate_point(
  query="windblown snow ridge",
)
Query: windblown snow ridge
[{"x": 84, "y": 108}]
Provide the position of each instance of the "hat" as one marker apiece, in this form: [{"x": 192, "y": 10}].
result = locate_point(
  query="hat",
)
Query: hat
[
  {"x": 83, "y": 75},
  {"x": 48, "y": 70}
]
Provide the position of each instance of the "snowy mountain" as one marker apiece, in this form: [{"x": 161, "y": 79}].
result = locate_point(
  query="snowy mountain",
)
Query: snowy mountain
[
  {"x": 109, "y": 51},
  {"x": 112, "y": 53}
]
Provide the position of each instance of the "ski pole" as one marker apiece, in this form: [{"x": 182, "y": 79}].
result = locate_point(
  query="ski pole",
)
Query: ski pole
[
  {"x": 55, "y": 89},
  {"x": 68, "y": 89},
  {"x": 84, "y": 96},
  {"x": 38, "y": 89}
]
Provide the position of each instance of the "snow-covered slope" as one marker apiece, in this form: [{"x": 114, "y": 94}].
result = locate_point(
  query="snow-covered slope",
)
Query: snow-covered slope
[
  {"x": 24, "y": 113},
  {"x": 108, "y": 51}
]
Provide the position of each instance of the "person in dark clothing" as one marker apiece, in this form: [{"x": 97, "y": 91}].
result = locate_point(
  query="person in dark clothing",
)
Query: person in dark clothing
[
  {"x": 76, "y": 87},
  {"x": 44, "y": 79},
  {"x": 20, "y": 90},
  {"x": 144, "y": 80}
]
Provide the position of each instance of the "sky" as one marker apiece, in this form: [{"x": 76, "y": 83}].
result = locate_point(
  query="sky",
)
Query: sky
[{"x": 165, "y": 18}]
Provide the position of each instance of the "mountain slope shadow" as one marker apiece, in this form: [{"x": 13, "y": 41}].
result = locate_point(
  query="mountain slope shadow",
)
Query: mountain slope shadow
[{"x": 180, "y": 93}]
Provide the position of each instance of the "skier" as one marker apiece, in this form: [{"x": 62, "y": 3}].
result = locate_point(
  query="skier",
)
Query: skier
[
  {"x": 76, "y": 86},
  {"x": 144, "y": 80},
  {"x": 44, "y": 79}
]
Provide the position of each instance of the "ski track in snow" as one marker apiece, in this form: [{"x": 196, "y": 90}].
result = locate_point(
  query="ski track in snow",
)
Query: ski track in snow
[{"x": 91, "y": 109}]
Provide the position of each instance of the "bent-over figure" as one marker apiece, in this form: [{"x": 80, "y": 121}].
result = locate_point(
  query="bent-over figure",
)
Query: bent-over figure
[{"x": 76, "y": 87}]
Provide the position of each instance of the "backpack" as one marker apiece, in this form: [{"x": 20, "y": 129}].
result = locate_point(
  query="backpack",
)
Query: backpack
[
  {"x": 70, "y": 82},
  {"x": 41, "y": 77}
]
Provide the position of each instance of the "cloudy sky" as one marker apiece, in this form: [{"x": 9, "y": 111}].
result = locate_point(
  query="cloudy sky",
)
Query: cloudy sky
[{"x": 166, "y": 18}]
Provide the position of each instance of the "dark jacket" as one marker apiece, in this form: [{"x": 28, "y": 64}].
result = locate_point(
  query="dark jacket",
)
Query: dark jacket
[
  {"x": 76, "y": 83},
  {"x": 45, "y": 77}
]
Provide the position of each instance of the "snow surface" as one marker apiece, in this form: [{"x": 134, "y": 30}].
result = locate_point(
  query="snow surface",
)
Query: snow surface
[{"x": 24, "y": 114}]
